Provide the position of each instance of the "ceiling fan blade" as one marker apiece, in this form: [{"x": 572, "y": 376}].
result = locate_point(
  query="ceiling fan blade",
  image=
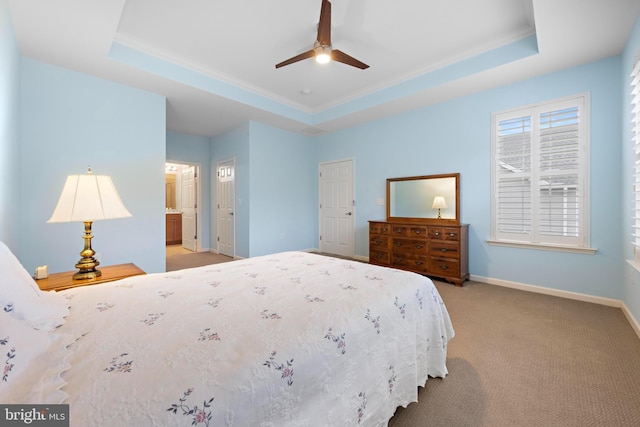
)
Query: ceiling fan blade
[
  {"x": 324, "y": 25},
  {"x": 340, "y": 56},
  {"x": 304, "y": 55}
]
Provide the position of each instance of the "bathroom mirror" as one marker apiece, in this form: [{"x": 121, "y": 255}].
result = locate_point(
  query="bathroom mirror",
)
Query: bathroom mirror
[
  {"x": 433, "y": 199},
  {"x": 170, "y": 191}
]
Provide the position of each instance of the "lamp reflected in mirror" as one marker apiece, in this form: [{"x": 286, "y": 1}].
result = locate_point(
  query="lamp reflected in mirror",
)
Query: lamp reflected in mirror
[{"x": 439, "y": 203}]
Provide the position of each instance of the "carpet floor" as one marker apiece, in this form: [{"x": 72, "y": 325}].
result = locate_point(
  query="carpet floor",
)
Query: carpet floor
[
  {"x": 179, "y": 258},
  {"x": 527, "y": 359}
]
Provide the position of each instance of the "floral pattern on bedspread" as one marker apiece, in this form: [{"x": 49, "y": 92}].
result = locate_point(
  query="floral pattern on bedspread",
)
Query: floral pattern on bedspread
[
  {"x": 290, "y": 339},
  {"x": 10, "y": 355}
]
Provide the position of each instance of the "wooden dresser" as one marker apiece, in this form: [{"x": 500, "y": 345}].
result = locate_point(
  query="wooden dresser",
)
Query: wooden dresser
[{"x": 434, "y": 250}]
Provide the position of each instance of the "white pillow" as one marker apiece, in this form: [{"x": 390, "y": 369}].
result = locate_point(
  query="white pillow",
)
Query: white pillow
[
  {"x": 22, "y": 299},
  {"x": 31, "y": 363}
]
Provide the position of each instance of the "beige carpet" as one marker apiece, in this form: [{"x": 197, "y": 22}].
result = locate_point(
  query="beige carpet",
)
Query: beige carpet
[
  {"x": 179, "y": 258},
  {"x": 523, "y": 359}
]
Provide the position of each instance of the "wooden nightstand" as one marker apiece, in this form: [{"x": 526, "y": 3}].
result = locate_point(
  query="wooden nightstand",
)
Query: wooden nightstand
[{"x": 60, "y": 281}]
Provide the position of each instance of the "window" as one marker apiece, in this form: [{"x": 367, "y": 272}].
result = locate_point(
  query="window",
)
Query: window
[
  {"x": 635, "y": 126},
  {"x": 540, "y": 179}
]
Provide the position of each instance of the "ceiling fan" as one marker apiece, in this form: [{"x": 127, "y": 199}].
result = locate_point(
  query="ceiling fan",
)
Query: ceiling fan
[{"x": 322, "y": 49}]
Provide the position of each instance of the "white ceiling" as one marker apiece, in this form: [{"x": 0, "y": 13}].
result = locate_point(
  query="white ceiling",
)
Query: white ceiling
[{"x": 214, "y": 60}]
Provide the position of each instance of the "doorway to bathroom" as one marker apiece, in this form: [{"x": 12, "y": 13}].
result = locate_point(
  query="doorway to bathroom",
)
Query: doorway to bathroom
[{"x": 182, "y": 207}]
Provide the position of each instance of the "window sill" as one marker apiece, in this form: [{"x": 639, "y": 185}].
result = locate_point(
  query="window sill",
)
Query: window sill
[
  {"x": 634, "y": 264},
  {"x": 558, "y": 248}
]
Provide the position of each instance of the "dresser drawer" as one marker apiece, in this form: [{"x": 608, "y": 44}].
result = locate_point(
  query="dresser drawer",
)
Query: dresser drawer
[
  {"x": 378, "y": 241},
  {"x": 443, "y": 267},
  {"x": 452, "y": 233},
  {"x": 378, "y": 228},
  {"x": 410, "y": 261},
  {"x": 443, "y": 248},
  {"x": 378, "y": 257},
  {"x": 436, "y": 233},
  {"x": 409, "y": 230},
  {"x": 416, "y": 246}
]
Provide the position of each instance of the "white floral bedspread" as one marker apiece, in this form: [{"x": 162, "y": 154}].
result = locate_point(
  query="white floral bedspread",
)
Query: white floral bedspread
[{"x": 291, "y": 339}]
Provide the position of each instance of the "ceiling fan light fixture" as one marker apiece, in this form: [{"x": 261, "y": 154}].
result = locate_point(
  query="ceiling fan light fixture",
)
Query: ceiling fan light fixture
[
  {"x": 322, "y": 50},
  {"x": 323, "y": 54}
]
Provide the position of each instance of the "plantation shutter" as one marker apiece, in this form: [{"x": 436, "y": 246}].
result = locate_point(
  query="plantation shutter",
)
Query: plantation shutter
[
  {"x": 559, "y": 174},
  {"x": 514, "y": 176},
  {"x": 635, "y": 113},
  {"x": 540, "y": 174}
]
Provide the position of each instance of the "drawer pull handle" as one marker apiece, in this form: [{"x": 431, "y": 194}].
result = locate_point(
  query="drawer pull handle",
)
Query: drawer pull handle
[
  {"x": 452, "y": 234},
  {"x": 443, "y": 249},
  {"x": 419, "y": 262},
  {"x": 444, "y": 267},
  {"x": 399, "y": 244},
  {"x": 379, "y": 256},
  {"x": 419, "y": 246},
  {"x": 378, "y": 242},
  {"x": 384, "y": 229},
  {"x": 436, "y": 233},
  {"x": 417, "y": 231}
]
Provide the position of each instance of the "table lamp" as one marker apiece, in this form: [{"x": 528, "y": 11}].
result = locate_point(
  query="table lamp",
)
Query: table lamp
[{"x": 87, "y": 198}]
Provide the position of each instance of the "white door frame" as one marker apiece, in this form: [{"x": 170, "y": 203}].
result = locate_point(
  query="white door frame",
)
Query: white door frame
[
  {"x": 198, "y": 196},
  {"x": 352, "y": 207}
]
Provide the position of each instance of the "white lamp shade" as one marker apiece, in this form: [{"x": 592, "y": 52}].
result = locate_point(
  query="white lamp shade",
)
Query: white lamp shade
[
  {"x": 88, "y": 198},
  {"x": 439, "y": 203}
]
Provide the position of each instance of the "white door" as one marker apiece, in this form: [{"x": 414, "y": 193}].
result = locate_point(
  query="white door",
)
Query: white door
[
  {"x": 226, "y": 197},
  {"x": 189, "y": 207},
  {"x": 337, "y": 206}
]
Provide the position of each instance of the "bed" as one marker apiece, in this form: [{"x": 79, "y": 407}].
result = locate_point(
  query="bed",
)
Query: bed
[{"x": 289, "y": 339}]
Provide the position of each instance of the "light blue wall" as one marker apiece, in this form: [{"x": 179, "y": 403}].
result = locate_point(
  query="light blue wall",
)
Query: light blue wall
[
  {"x": 454, "y": 136},
  {"x": 68, "y": 121},
  {"x": 234, "y": 145},
  {"x": 631, "y": 287},
  {"x": 191, "y": 149},
  {"x": 284, "y": 191},
  {"x": 9, "y": 132},
  {"x": 276, "y": 188}
]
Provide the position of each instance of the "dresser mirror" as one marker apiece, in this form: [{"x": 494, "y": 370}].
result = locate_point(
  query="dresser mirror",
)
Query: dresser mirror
[{"x": 429, "y": 199}]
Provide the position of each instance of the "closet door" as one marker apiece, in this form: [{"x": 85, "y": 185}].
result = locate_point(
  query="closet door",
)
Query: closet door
[{"x": 337, "y": 208}]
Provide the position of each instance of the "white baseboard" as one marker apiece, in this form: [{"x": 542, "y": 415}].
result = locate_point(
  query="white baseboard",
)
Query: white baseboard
[
  {"x": 634, "y": 322},
  {"x": 564, "y": 294},
  {"x": 548, "y": 291}
]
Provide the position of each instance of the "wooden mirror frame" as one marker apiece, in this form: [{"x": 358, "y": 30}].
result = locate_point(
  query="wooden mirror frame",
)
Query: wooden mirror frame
[{"x": 431, "y": 221}]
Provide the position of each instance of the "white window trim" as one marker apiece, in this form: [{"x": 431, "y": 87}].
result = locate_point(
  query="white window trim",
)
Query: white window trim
[{"x": 583, "y": 247}]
